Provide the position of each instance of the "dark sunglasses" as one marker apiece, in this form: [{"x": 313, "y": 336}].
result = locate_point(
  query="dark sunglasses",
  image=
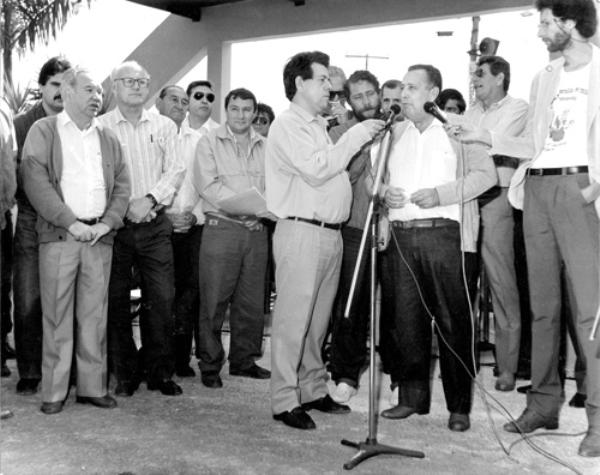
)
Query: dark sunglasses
[
  {"x": 333, "y": 95},
  {"x": 260, "y": 121},
  {"x": 210, "y": 97}
]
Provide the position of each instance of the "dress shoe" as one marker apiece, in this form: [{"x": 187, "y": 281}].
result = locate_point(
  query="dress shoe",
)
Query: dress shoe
[
  {"x": 167, "y": 387},
  {"x": 458, "y": 422},
  {"x": 4, "y": 371},
  {"x": 524, "y": 389},
  {"x": 6, "y": 414},
  {"x": 27, "y": 386},
  {"x": 185, "y": 372},
  {"x": 402, "y": 412},
  {"x": 326, "y": 404},
  {"x": 211, "y": 379},
  {"x": 296, "y": 418},
  {"x": 254, "y": 371},
  {"x": 343, "y": 393},
  {"x": 105, "y": 402},
  {"x": 126, "y": 388},
  {"x": 590, "y": 445},
  {"x": 578, "y": 400},
  {"x": 52, "y": 407},
  {"x": 505, "y": 382},
  {"x": 530, "y": 421}
]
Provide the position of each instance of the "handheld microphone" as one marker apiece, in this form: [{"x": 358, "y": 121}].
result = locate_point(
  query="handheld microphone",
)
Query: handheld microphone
[{"x": 432, "y": 109}]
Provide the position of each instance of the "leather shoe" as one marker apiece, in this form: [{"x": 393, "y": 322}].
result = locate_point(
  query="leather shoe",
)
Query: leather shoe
[
  {"x": 254, "y": 371},
  {"x": 530, "y": 421},
  {"x": 126, "y": 388},
  {"x": 211, "y": 379},
  {"x": 8, "y": 351},
  {"x": 105, "y": 402},
  {"x": 4, "y": 370},
  {"x": 27, "y": 386},
  {"x": 52, "y": 407},
  {"x": 326, "y": 404},
  {"x": 590, "y": 445},
  {"x": 505, "y": 382},
  {"x": 459, "y": 422},
  {"x": 167, "y": 387},
  {"x": 578, "y": 400},
  {"x": 296, "y": 418},
  {"x": 402, "y": 412},
  {"x": 524, "y": 389},
  {"x": 185, "y": 372}
]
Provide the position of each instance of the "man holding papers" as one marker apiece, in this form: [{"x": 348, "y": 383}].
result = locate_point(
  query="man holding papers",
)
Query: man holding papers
[{"x": 230, "y": 161}]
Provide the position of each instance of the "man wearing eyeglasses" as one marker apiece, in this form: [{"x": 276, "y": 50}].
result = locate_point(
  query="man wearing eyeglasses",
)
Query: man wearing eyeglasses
[
  {"x": 187, "y": 218},
  {"x": 153, "y": 157},
  {"x": 233, "y": 254},
  {"x": 263, "y": 120},
  {"x": 499, "y": 114},
  {"x": 338, "y": 114}
]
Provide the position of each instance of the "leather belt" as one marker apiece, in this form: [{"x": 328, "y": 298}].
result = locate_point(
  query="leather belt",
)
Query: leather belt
[
  {"x": 505, "y": 161},
  {"x": 316, "y": 222},
  {"x": 424, "y": 223},
  {"x": 556, "y": 171},
  {"x": 89, "y": 222}
]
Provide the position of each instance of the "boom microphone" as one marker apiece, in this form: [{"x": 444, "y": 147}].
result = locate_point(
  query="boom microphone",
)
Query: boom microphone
[
  {"x": 432, "y": 109},
  {"x": 394, "y": 111}
]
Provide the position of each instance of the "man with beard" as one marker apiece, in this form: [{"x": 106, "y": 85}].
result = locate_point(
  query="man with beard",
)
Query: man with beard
[
  {"x": 76, "y": 179},
  {"x": 348, "y": 339},
  {"x": 559, "y": 192},
  {"x": 26, "y": 278}
]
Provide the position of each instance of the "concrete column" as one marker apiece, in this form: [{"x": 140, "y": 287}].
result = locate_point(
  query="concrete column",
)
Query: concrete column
[{"x": 219, "y": 73}]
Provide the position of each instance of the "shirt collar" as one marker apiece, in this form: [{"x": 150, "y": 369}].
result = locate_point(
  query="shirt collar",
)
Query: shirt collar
[
  {"x": 307, "y": 116},
  {"x": 121, "y": 118},
  {"x": 495, "y": 105},
  {"x": 63, "y": 118}
]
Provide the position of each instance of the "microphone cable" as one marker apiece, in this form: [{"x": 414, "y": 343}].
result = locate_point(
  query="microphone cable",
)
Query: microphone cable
[{"x": 484, "y": 393}]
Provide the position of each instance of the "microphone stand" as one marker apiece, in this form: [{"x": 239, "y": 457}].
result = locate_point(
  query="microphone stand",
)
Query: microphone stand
[{"x": 370, "y": 447}]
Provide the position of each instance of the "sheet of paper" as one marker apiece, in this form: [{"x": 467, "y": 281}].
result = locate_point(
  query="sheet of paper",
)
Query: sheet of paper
[{"x": 247, "y": 203}]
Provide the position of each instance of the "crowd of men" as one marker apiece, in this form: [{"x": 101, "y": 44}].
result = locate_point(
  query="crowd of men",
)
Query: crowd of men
[{"x": 135, "y": 198}]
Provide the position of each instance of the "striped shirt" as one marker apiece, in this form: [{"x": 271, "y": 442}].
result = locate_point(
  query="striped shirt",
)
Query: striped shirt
[{"x": 151, "y": 150}]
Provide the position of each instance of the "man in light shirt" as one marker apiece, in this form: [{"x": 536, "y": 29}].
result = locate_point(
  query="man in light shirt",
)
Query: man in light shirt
[
  {"x": 187, "y": 219},
  {"x": 152, "y": 153},
  {"x": 234, "y": 250},
  {"x": 77, "y": 181},
  {"x": 172, "y": 102},
  {"x": 430, "y": 193},
  {"x": 501, "y": 114},
  {"x": 308, "y": 189}
]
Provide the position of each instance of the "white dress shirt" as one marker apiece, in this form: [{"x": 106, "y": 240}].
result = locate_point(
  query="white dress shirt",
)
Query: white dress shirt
[
  {"x": 422, "y": 160},
  {"x": 82, "y": 180}
]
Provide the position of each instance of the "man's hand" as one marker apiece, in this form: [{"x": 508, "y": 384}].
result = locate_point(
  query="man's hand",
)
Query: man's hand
[
  {"x": 591, "y": 193},
  {"x": 425, "y": 198},
  {"x": 340, "y": 112},
  {"x": 81, "y": 232},
  {"x": 374, "y": 126},
  {"x": 139, "y": 209},
  {"x": 395, "y": 197},
  {"x": 182, "y": 222},
  {"x": 252, "y": 224},
  {"x": 468, "y": 133},
  {"x": 100, "y": 229}
]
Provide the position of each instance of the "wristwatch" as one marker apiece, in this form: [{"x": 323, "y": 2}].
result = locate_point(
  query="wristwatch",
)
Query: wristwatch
[{"x": 152, "y": 200}]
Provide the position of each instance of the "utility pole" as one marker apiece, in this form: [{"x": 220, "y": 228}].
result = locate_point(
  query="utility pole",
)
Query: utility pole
[{"x": 366, "y": 56}]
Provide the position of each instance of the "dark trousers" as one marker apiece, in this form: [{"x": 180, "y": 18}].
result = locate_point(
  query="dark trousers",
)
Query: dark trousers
[
  {"x": 434, "y": 256},
  {"x": 26, "y": 294},
  {"x": 233, "y": 260},
  {"x": 6, "y": 278},
  {"x": 186, "y": 254},
  {"x": 148, "y": 247},
  {"x": 349, "y": 335}
]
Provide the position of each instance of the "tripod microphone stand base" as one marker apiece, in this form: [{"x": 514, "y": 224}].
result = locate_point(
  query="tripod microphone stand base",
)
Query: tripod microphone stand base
[{"x": 370, "y": 448}]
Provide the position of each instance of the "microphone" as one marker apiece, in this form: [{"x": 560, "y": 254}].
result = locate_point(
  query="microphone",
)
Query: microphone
[
  {"x": 432, "y": 109},
  {"x": 394, "y": 111}
]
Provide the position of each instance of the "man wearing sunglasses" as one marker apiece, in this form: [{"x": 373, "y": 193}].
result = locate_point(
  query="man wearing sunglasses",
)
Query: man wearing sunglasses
[
  {"x": 337, "y": 113},
  {"x": 153, "y": 157},
  {"x": 263, "y": 120},
  {"x": 187, "y": 218},
  {"x": 233, "y": 254}
]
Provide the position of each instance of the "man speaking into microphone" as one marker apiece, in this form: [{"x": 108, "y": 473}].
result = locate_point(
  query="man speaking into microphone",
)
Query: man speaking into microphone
[
  {"x": 430, "y": 192},
  {"x": 308, "y": 189}
]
